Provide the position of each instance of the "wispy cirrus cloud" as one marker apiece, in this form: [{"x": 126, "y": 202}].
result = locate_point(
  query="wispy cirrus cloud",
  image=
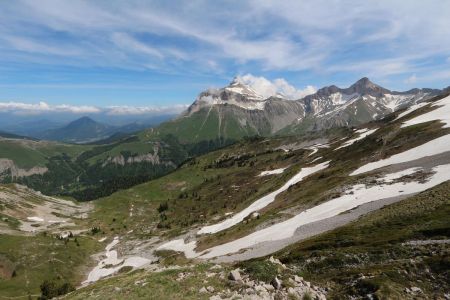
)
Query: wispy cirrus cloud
[
  {"x": 294, "y": 35},
  {"x": 310, "y": 40}
]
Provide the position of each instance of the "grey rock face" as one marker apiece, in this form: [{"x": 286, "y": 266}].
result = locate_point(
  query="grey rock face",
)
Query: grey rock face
[{"x": 329, "y": 107}]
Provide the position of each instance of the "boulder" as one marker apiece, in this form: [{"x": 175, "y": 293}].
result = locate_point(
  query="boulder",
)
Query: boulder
[
  {"x": 269, "y": 287},
  {"x": 276, "y": 283},
  {"x": 235, "y": 275}
]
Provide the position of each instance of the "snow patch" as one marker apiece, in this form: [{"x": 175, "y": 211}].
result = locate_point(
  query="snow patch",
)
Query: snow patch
[
  {"x": 411, "y": 109},
  {"x": 316, "y": 148},
  {"x": 272, "y": 172},
  {"x": 111, "y": 263},
  {"x": 433, "y": 147},
  {"x": 35, "y": 219},
  {"x": 262, "y": 202},
  {"x": 180, "y": 246},
  {"x": 249, "y": 104},
  {"x": 362, "y": 134},
  {"x": 441, "y": 113},
  {"x": 394, "y": 176}
]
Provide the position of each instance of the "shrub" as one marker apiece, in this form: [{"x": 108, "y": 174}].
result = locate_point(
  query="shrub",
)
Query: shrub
[
  {"x": 261, "y": 270},
  {"x": 51, "y": 289},
  {"x": 163, "y": 207}
]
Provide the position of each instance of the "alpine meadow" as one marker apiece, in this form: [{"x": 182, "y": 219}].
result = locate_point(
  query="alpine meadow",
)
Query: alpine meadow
[{"x": 224, "y": 149}]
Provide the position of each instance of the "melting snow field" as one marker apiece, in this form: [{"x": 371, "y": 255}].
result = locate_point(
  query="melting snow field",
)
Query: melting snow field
[
  {"x": 394, "y": 176},
  {"x": 411, "y": 109},
  {"x": 111, "y": 264},
  {"x": 262, "y": 202},
  {"x": 357, "y": 195},
  {"x": 272, "y": 172},
  {"x": 434, "y": 147},
  {"x": 362, "y": 134},
  {"x": 441, "y": 113}
]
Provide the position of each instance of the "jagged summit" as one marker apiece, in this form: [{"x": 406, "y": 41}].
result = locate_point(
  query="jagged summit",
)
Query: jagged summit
[
  {"x": 238, "y": 110},
  {"x": 366, "y": 87}
]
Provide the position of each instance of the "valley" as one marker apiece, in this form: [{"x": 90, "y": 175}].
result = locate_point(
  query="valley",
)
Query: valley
[
  {"x": 224, "y": 150},
  {"x": 370, "y": 199}
]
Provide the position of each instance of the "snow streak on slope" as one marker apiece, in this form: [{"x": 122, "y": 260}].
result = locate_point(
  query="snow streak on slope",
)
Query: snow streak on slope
[
  {"x": 262, "y": 202},
  {"x": 272, "y": 172},
  {"x": 316, "y": 148},
  {"x": 362, "y": 134},
  {"x": 411, "y": 109},
  {"x": 434, "y": 147},
  {"x": 441, "y": 113},
  {"x": 359, "y": 194}
]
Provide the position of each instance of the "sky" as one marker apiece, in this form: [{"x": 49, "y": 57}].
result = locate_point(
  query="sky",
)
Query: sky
[{"x": 133, "y": 57}]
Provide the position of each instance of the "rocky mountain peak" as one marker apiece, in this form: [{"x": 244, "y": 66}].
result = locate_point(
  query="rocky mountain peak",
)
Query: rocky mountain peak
[
  {"x": 237, "y": 86},
  {"x": 366, "y": 87}
]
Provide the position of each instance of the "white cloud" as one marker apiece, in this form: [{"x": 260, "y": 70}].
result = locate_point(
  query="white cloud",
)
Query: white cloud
[
  {"x": 20, "y": 108},
  {"x": 128, "y": 43},
  {"x": 411, "y": 79},
  {"x": 267, "y": 88},
  {"x": 214, "y": 37},
  {"x": 141, "y": 110},
  {"x": 43, "y": 107}
]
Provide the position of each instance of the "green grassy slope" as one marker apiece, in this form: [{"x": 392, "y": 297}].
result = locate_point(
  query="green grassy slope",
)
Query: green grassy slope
[
  {"x": 193, "y": 192},
  {"x": 27, "y": 153},
  {"x": 368, "y": 256},
  {"x": 33, "y": 259}
]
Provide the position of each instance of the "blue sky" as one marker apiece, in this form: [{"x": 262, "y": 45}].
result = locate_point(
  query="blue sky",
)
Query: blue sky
[{"x": 153, "y": 54}]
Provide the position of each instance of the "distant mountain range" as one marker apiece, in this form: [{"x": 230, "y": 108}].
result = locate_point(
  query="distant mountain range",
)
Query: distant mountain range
[
  {"x": 237, "y": 110},
  {"x": 82, "y": 130},
  {"x": 121, "y": 156}
]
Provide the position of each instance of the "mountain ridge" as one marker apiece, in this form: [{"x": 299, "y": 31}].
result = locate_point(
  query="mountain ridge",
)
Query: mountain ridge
[{"x": 252, "y": 114}]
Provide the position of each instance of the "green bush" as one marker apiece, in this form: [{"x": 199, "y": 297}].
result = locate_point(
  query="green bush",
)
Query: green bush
[
  {"x": 51, "y": 289},
  {"x": 261, "y": 270}
]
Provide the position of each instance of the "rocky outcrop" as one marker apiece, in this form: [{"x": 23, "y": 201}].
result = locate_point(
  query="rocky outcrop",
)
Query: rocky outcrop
[
  {"x": 153, "y": 158},
  {"x": 9, "y": 168},
  {"x": 295, "y": 288}
]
